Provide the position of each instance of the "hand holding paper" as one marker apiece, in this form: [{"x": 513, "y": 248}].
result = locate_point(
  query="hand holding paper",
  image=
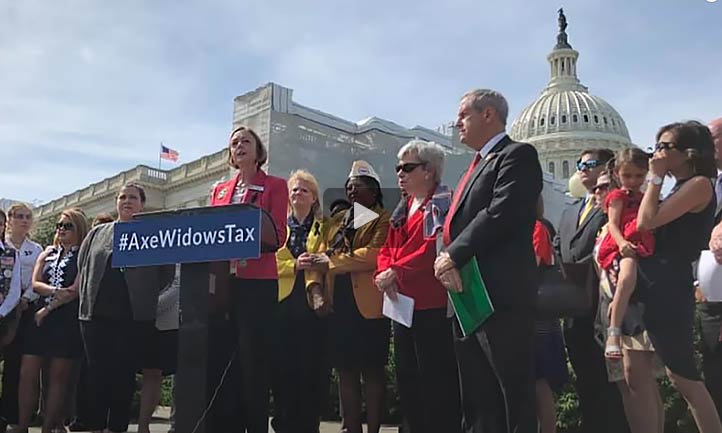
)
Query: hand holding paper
[{"x": 399, "y": 310}]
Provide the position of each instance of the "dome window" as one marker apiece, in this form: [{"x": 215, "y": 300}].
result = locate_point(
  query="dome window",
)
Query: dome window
[
  {"x": 605, "y": 121},
  {"x": 552, "y": 120},
  {"x": 596, "y": 119},
  {"x": 586, "y": 118},
  {"x": 565, "y": 169},
  {"x": 541, "y": 122},
  {"x": 552, "y": 168},
  {"x": 564, "y": 118},
  {"x": 575, "y": 118}
]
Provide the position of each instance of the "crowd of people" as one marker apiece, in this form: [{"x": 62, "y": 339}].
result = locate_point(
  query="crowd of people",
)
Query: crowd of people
[{"x": 280, "y": 323}]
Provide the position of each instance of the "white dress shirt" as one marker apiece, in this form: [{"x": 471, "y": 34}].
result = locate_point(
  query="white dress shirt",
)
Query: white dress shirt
[
  {"x": 485, "y": 149},
  {"x": 27, "y": 254}
]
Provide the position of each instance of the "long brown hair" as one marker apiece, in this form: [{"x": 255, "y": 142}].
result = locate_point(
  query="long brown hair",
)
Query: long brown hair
[
  {"x": 694, "y": 140},
  {"x": 4, "y": 217}
]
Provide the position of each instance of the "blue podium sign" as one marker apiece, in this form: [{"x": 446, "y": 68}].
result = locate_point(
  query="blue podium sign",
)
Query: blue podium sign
[{"x": 234, "y": 234}]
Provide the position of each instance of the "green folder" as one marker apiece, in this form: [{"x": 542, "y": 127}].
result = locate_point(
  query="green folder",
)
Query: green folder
[{"x": 473, "y": 305}]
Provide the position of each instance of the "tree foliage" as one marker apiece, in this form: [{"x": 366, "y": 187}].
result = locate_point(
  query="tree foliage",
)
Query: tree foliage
[{"x": 44, "y": 231}]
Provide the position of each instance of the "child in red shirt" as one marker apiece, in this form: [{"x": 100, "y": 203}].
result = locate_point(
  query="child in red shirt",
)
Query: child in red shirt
[{"x": 623, "y": 243}]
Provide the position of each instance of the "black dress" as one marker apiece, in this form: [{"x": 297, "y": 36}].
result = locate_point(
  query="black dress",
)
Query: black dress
[
  {"x": 356, "y": 342},
  {"x": 59, "y": 334},
  {"x": 665, "y": 285}
]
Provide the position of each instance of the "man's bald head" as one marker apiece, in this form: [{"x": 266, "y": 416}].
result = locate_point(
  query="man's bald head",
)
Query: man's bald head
[{"x": 715, "y": 127}]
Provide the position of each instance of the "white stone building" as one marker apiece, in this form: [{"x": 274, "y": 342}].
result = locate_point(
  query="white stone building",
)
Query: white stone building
[
  {"x": 297, "y": 136},
  {"x": 566, "y": 118}
]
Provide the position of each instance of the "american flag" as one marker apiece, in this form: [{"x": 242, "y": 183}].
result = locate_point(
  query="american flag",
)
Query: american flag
[{"x": 168, "y": 153}]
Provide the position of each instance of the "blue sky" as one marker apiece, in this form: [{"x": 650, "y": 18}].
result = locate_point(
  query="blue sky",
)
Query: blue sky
[{"x": 90, "y": 88}]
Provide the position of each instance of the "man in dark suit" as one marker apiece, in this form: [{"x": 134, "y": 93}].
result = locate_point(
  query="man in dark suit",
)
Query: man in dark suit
[
  {"x": 710, "y": 313},
  {"x": 491, "y": 220},
  {"x": 599, "y": 400}
]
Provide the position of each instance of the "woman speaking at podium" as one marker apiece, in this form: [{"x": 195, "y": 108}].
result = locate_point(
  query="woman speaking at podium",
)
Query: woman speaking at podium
[{"x": 253, "y": 283}]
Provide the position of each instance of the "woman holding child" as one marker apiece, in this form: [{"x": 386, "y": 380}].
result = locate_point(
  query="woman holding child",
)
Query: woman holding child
[{"x": 660, "y": 314}]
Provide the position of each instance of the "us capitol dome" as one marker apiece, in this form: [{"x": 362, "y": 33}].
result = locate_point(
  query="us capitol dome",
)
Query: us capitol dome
[{"x": 566, "y": 118}]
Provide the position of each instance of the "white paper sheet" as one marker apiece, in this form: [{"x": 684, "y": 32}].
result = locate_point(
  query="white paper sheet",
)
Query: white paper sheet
[
  {"x": 709, "y": 275},
  {"x": 400, "y": 310}
]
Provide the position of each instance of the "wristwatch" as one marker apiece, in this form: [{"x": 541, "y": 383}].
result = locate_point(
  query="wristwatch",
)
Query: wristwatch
[{"x": 654, "y": 179}]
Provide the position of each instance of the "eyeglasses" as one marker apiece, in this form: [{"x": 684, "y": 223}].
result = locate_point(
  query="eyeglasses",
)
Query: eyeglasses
[
  {"x": 588, "y": 164},
  {"x": 64, "y": 226},
  {"x": 408, "y": 167},
  {"x": 664, "y": 145},
  {"x": 601, "y": 187}
]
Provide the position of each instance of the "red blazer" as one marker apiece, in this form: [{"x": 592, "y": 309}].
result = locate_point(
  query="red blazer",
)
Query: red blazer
[
  {"x": 274, "y": 199},
  {"x": 407, "y": 252}
]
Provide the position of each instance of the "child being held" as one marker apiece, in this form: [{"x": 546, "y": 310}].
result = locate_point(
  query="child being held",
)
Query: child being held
[{"x": 623, "y": 243}]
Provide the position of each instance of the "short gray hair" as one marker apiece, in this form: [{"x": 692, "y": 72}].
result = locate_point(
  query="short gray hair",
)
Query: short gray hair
[
  {"x": 485, "y": 98},
  {"x": 428, "y": 152}
]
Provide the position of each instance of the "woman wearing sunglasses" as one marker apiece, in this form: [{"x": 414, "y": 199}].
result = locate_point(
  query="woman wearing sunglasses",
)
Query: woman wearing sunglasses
[
  {"x": 681, "y": 223},
  {"x": 358, "y": 333},
  {"x": 55, "y": 336},
  {"x": 425, "y": 363}
]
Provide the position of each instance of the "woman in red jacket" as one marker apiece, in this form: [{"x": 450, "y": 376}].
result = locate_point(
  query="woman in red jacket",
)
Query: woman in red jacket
[
  {"x": 425, "y": 363},
  {"x": 253, "y": 283}
]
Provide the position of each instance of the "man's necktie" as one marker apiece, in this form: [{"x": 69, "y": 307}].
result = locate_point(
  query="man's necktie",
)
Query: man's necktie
[
  {"x": 585, "y": 212},
  {"x": 457, "y": 197}
]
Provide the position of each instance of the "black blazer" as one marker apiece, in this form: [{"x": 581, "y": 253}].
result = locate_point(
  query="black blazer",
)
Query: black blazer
[
  {"x": 494, "y": 221},
  {"x": 575, "y": 245}
]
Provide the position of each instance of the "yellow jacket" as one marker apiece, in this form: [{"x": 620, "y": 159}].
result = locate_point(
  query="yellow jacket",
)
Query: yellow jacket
[
  {"x": 366, "y": 244},
  {"x": 316, "y": 243}
]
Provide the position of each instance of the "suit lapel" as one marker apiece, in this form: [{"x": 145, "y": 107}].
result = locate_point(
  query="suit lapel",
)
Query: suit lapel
[
  {"x": 718, "y": 212},
  {"x": 592, "y": 214},
  {"x": 480, "y": 169}
]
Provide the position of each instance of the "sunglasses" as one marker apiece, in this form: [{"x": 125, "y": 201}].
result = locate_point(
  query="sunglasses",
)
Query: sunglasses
[
  {"x": 664, "y": 145},
  {"x": 601, "y": 187},
  {"x": 408, "y": 167},
  {"x": 64, "y": 226},
  {"x": 588, "y": 164}
]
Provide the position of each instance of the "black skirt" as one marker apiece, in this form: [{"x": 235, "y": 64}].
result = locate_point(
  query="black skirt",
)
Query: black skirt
[
  {"x": 58, "y": 336},
  {"x": 669, "y": 303},
  {"x": 355, "y": 342},
  {"x": 161, "y": 352}
]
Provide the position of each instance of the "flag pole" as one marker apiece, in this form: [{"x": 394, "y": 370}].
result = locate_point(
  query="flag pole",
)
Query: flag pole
[{"x": 159, "y": 153}]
